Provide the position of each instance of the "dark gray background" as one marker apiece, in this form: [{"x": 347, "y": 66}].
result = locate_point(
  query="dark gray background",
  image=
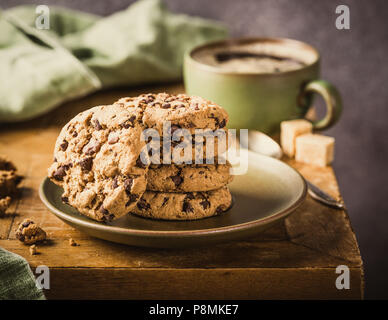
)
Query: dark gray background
[{"x": 355, "y": 61}]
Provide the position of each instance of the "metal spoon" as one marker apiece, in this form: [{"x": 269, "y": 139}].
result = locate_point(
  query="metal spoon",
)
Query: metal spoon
[{"x": 321, "y": 196}]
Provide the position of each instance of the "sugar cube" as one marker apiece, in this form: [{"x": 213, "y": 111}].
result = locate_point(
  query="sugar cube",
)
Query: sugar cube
[
  {"x": 314, "y": 149},
  {"x": 291, "y": 129}
]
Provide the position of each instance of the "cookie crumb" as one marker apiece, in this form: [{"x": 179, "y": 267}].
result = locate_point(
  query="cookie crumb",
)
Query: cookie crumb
[
  {"x": 33, "y": 250},
  {"x": 4, "y": 204},
  {"x": 9, "y": 179},
  {"x": 73, "y": 243},
  {"x": 29, "y": 233}
]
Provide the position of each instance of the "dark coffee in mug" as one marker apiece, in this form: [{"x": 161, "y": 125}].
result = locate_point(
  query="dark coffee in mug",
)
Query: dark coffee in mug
[{"x": 252, "y": 58}]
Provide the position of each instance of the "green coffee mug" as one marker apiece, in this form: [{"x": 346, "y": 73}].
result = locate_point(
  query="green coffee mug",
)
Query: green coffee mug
[{"x": 261, "y": 100}]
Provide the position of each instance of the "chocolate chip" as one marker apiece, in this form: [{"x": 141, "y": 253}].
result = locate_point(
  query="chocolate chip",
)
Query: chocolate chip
[
  {"x": 223, "y": 123},
  {"x": 165, "y": 200},
  {"x": 112, "y": 139},
  {"x": 217, "y": 121},
  {"x": 107, "y": 216},
  {"x": 174, "y": 128},
  {"x": 65, "y": 199},
  {"x": 75, "y": 134},
  {"x": 140, "y": 163},
  {"x": 205, "y": 204},
  {"x": 194, "y": 105},
  {"x": 128, "y": 185},
  {"x": 190, "y": 196},
  {"x": 97, "y": 125},
  {"x": 103, "y": 210},
  {"x": 115, "y": 183},
  {"x": 20, "y": 237},
  {"x": 148, "y": 99},
  {"x": 26, "y": 224},
  {"x": 132, "y": 198},
  {"x": 166, "y": 105},
  {"x": 86, "y": 164},
  {"x": 143, "y": 205},
  {"x": 64, "y": 145},
  {"x": 59, "y": 173},
  {"x": 129, "y": 123},
  {"x": 68, "y": 166},
  {"x": 219, "y": 209},
  {"x": 55, "y": 159},
  {"x": 177, "y": 180},
  {"x": 187, "y": 207},
  {"x": 91, "y": 148}
]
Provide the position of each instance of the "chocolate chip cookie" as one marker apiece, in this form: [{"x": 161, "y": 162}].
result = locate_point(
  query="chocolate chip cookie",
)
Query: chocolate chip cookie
[
  {"x": 181, "y": 110},
  {"x": 183, "y": 206},
  {"x": 29, "y": 233},
  {"x": 193, "y": 121},
  {"x": 188, "y": 178},
  {"x": 98, "y": 160}
]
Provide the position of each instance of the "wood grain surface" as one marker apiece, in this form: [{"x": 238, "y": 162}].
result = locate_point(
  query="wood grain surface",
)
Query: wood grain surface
[{"x": 293, "y": 260}]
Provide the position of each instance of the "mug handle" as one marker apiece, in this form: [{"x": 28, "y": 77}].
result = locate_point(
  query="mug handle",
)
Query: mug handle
[{"x": 330, "y": 95}]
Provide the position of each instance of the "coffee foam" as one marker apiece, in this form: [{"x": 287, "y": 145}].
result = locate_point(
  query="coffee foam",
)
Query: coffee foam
[{"x": 256, "y": 57}]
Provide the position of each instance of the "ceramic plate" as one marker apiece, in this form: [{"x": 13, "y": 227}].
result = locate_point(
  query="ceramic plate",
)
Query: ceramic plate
[{"x": 268, "y": 192}]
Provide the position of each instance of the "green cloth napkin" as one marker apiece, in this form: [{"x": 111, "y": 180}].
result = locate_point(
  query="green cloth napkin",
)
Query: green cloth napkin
[
  {"x": 81, "y": 53},
  {"x": 16, "y": 278}
]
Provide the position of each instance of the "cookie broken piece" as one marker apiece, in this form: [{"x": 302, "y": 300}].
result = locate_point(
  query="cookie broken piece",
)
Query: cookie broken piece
[
  {"x": 4, "y": 204},
  {"x": 33, "y": 250},
  {"x": 9, "y": 180},
  {"x": 73, "y": 243},
  {"x": 29, "y": 233}
]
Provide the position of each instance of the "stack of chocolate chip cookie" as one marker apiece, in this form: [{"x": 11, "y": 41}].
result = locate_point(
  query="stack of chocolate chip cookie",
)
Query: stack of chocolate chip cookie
[
  {"x": 184, "y": 191},
  {"x": 102, "y": 162}
]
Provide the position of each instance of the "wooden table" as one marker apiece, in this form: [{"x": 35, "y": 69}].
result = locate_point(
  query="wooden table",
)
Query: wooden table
[{"x": 297, "y": 259}]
